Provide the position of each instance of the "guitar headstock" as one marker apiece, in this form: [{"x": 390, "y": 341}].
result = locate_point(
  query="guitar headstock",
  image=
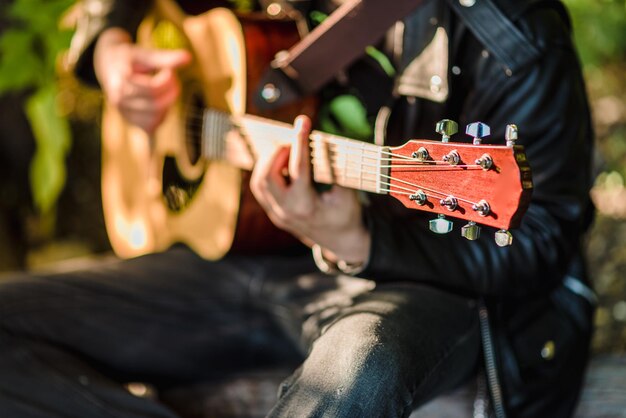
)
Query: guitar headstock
[{"x": 483, "y": 184}]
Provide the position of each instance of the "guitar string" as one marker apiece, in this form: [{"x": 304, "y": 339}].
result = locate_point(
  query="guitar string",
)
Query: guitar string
[
  {"x": 414, "y": 187},
  {"x": 419, "y": 166},
  {"x": 361, "y": 149},
  {"x": 430, "y": 165},
  {"x": 395, "y": 157},
  {"x": 407, "y": 191},
  {"x": 358, "y": 174},
  {"x": 357, "y": 149},
  {"x": 390, "y": 187}
]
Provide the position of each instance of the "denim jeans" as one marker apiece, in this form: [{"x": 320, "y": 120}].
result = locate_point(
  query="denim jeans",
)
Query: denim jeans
[{"x": 68, "y": 341}]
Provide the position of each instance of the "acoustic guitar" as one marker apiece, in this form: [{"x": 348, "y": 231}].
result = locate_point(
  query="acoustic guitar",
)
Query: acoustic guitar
[{"x": 188, "y": 183}]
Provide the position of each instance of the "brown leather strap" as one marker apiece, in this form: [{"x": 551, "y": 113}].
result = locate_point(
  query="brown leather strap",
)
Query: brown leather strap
[{"x": 329, "y": 48}]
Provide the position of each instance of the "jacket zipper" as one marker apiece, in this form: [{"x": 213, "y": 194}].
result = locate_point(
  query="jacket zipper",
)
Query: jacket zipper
[{"x": 490, "y": 361}]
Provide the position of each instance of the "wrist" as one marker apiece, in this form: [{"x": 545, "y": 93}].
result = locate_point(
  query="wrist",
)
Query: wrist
[
  {"x": 349, "y": 255},
  {"x": 333, "y": 267}
]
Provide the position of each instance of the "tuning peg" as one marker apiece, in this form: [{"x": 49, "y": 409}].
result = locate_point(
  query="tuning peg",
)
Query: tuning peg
[
  {"x": 478, "y": 131},
  {"x": 452, "y": 158},
  {"x": 471, "y": 231},
  {"x": 485, "y": 161},
  {"x": 421, "y": 154},
  {"x": 449, "y": 202},
  {"x": 446, "y": 128},
  {"x": 482, "y": 207},
  {"x": 440, "y": 225},
  {"x": 503, "y": 238},
  {"x": 419, "y": 197},
  {"x": 510, "y": 134}
]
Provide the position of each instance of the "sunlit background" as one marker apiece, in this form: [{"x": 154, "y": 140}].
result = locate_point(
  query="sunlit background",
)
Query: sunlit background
[{"x": 50, "y": 207}]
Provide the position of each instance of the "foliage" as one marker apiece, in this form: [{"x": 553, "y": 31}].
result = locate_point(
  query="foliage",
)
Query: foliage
[
  {"x": 600, "y": 35},
  {"x": 599, "y": 30},
  {"x": 243, "y": 5},
  {"x": 29, "y": 49}
]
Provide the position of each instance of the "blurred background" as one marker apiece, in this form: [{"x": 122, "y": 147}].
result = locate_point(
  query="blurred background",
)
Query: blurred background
[{"x": 50, "y": 206}]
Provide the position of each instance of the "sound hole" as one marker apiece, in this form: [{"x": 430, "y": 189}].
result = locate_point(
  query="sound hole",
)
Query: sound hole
[{"x": 178, "y": 192}]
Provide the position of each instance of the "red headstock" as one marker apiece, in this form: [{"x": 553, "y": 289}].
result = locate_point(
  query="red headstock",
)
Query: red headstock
[{"x": 485, "y": 184}]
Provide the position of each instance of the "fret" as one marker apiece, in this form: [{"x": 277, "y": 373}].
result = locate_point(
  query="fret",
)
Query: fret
[
  {"x": 348, "y": 163},
  {"x": 335, "y": 159}
]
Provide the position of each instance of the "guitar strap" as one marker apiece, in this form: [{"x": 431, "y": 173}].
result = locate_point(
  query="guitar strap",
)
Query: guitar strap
[{"x": 328, "y": 49}]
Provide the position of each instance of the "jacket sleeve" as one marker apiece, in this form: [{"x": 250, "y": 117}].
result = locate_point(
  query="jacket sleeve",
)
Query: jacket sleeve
[
  {"x": 99, "y": 15},
  {"x": 547, "y": 100}
]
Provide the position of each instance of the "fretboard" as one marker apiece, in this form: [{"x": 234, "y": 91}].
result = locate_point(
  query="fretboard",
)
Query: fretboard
[{"x": 335, "y": 159}]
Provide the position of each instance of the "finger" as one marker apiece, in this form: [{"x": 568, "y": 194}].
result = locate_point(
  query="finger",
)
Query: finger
[
  {"x": 151, "y": 85},
  {"x": 300, "y": 158},
  {"x": 264, "y": 181},
  {"x": 278, "y": 171},
  {"x": 266, "y": 195},
  {"x": 166, "y": 98},
  {"x": 150, "y": 93},
  {"x": 148, "y": 112},
  {"x": 147, "y": 121},
  {"x": 148, "y": 60},
  {"x": 163, "y": 92}
]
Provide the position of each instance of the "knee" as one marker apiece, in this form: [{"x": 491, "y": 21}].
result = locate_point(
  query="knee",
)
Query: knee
[
  {"x": 358, "y": 361},
  {"x": 364, "y": 345}
]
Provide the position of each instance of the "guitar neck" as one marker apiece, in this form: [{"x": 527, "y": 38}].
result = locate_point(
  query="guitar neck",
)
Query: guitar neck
[
  {"x": 241, "y": 140},
  {"x": 486, "y": 184}
]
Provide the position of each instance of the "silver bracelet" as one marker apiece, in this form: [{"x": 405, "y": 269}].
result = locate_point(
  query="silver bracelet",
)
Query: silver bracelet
[{"x": 340, "y": 266}]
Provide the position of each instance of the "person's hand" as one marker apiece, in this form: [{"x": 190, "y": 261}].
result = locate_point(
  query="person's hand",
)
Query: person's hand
[
  {"x": 140, "y": 82},
  {"x": 281, "y": 182}
]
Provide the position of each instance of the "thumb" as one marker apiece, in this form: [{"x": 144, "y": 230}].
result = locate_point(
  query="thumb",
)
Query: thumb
[{"x": 149, "y": 60}]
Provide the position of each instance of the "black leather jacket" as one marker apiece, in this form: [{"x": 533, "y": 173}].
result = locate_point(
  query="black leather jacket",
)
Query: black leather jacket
[
  {"x": 508, "y": 62},
  {"x": 522, "y": 69}
]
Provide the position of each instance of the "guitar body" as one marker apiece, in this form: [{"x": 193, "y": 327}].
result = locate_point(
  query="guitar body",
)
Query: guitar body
[{"x": 159, "y": 191}]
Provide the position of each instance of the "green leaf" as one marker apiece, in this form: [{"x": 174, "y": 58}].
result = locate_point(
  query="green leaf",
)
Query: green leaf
[
  {"x": 19, "y": 66},
  {"x": 599, "y": 29},
  {"x": 28, "y": 55},
  {"x": 39, "y": 15},
  {"x": 351, "y": 117},
  {"x": 52, "y": 135}
]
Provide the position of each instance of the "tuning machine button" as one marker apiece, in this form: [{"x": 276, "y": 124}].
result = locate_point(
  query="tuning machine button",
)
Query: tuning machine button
[
  {"x": 471, "y": 231},
  {"x": 503, "y": 238},
  {"x": 440, "y": 225},
  {"x": 510, "y": 134},
  {"x": 478, "y": 131},
  {"x": 446, "y": 128}
]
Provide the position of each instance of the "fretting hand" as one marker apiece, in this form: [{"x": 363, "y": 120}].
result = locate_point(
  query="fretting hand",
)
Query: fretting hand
[
  {"x": 332, "y": 219},
  {"x": 140, "y": 82}
]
